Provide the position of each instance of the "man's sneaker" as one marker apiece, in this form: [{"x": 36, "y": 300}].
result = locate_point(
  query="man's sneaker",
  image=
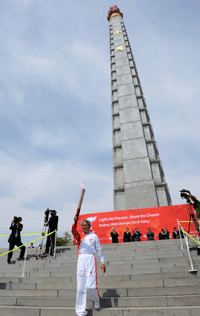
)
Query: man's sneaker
[
  {"x": 20, "y": 259},
  {"x": 8, "y": 261},
  {"x": 97, "y": 304}
]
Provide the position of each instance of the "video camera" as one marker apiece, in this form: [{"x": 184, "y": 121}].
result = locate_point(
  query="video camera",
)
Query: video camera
[
  {"x": 46, "y": 214},
  {"x": 185, "y": 196},
  {"x": 15, "y": 219}
]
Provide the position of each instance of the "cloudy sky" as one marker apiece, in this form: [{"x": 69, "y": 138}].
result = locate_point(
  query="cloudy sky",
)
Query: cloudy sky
[{"x": 55, "y": 105}]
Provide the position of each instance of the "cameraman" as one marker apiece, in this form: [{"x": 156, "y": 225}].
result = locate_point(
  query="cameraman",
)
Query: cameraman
[
  {"x": 196, "y": 204},
  {"x": 15, "y": 238},
  {"x": 53, "y": 225}
]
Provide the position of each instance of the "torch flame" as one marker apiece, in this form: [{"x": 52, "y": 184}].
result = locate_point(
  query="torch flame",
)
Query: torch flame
[{"x": 82, "y": 185}]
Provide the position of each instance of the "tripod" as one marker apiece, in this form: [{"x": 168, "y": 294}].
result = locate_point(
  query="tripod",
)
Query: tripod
[{"x": 192, "y": 217}]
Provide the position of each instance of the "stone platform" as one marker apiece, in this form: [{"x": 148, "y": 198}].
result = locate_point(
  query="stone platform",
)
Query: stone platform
[{"x": 143, "y": 278}]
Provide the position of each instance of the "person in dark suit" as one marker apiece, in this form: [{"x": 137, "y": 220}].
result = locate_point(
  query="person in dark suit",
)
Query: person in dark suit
[
  {"x": 161, "y": 235},
  {"x": 176, "y": 233},
  {"x": 114, "y": 235},
  {"x": 15, "y": 239},
  {"x": 166, "y": 233},
  {"x": 132, "y": 237},
  {"x": 136, "y": 235},
  {"x": 127, "y": 235},
  {"x": 53, "y": 225},
  {"x": 150, "y": 234}
]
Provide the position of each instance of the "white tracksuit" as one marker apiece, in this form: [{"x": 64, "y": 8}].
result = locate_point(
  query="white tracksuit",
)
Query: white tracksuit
[{"x": 87, "y": 271}]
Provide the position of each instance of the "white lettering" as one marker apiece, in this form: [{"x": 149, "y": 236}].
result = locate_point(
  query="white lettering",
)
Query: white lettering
[
  {"x": 123, "y": 217},
  {"x": 103, "y": 225},
  {"x": 125, "y": 223},
  {"x": 137, "y": 222}
]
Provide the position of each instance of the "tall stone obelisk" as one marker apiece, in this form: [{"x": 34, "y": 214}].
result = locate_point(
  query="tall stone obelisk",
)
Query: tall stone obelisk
[{"x": 139, "y": 180}]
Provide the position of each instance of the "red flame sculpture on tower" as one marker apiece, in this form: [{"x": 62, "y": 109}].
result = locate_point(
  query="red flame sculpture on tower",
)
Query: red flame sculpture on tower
[{"x": 114, "y": 10}]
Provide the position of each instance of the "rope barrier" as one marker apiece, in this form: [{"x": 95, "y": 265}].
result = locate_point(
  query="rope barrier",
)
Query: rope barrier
[
  {"x": 189, "y": 235},
  {"x": 24, "y": 234},
  {"x": 5, "y": 253},
  {"x": 185, "y": 221}
]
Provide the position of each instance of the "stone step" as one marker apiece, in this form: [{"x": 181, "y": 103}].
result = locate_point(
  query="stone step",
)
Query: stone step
[
  {"x": 152, "y": 274},
  {"x": 150, "y": 301},
  {"x": 113, "y": 262},
  {"x": 138, "y": 273},
  {"x": 60, "y": 272},
  {"x": 30, "y": 283},
  {"x": 115, "y": 284},
  {"x": 133, "y": 264},
  {"x": 104, "y": 292},
  {"x": 115, "y": 311},
  {"x": 62, "y": 260}
]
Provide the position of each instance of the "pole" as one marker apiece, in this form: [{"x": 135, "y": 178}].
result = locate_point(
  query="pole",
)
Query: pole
[
  {"x": 23, "y": 276},
  {"x": 54, "y": 254},
  {"x": 180, "y": 234},
  {"x": 193, "y": 270}
]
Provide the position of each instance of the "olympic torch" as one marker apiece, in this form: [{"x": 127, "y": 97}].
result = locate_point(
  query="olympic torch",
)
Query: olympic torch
[{"x": 79, "y": 205}]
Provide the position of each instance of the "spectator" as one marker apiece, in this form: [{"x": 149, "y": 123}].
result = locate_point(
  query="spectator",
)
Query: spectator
[
  {"x": 127, "y": 235},
  {"x": 15, "y": 239},
  {"x": 176, "y": 233},
  {"x": 114, "y": 236},
  {"x": 150, "y": 234},
  {"x": 136, "y": 235},
  {"x": 53, "y": 225},
  {"x": 166, "y": 233},
  {"x": 161, "y": 235},
  {"x": 31, "y": 246},
  {"x": 133, "y": 235}
]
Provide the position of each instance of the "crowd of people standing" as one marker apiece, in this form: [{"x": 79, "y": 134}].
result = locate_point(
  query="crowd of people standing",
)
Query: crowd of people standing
[{"x": 136, "y": 235}]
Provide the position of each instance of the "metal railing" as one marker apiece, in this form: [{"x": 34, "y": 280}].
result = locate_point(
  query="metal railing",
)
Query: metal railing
[{"x": 186, "y": 239}]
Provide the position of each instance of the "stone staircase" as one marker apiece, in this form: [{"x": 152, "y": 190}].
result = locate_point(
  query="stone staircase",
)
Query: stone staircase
[{"x": 143, "y": 278}]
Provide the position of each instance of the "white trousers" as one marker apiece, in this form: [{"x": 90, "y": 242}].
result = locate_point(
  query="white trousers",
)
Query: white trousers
[{"x": 86, "y": 281}]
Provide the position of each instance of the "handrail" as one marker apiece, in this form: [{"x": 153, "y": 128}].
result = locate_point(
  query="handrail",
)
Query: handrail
[
  {"x": 193, "y": 270},
  {"x": 24, "y": 265}
]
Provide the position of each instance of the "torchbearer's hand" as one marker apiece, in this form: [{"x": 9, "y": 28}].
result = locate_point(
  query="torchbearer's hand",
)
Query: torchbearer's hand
[
  {"x": 103, "y": 267},
  {"x": 76, "y": 218}
]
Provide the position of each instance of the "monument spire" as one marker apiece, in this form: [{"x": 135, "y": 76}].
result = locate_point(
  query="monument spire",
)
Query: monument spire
[{"x": 139, "y": 180}]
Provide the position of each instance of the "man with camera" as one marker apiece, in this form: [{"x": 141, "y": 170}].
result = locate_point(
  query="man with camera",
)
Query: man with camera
[
  {"x": 192, "y": 200},
  {"x": 196, "y": 204},
  {"x": 15, "y": 239},
  {"x": 53, "y": 225}
]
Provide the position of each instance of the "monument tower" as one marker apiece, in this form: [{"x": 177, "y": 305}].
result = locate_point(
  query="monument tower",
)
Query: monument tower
[{"x": 139, "y": 180}]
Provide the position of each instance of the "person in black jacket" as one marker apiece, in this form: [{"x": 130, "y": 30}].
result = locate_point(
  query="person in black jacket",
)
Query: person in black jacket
[
  {"x": 15, "y": 239},
  {"x": 176, "y": 233},
  {"x": 114, "y": 235},
  {"x": 161, "y": 235},
  {"x": 150, "y": 234},
  {"x": 53, "y": 225},
  {"x": 136, "y": 235},
  {"x": 127, "y": 235},
  {"x": 166, "y": 234}
]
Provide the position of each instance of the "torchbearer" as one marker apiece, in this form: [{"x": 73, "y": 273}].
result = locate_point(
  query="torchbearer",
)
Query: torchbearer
[{"x": 88, "y": 243}]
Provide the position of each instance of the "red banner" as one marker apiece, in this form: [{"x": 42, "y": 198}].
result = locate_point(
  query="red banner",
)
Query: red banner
[{"x": 156, "y": 218}]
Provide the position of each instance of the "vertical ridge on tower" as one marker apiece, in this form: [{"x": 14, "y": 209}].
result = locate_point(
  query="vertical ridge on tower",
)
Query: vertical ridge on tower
[{"x": 139, "y": 180}]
